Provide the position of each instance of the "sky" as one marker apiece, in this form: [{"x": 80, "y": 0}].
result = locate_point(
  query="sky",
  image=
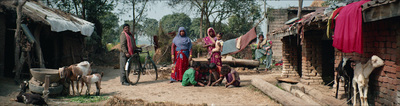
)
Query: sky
[{"x": 160, "y": 8}]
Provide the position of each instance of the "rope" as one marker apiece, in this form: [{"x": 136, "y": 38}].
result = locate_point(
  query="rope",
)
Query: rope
[
  {"x": 350, "y": 99},
  {"x": 330, "y": 82}
]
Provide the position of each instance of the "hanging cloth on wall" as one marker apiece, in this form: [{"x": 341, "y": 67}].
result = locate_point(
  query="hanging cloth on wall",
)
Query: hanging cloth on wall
[
  {"x": 331, "y": 21},
  {"x": 348, "y": 29}
]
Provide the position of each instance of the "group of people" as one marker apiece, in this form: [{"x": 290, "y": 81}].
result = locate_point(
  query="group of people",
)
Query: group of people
[
  {"x": 206, "y": 74},
  {"x": 181, "y": 54}
]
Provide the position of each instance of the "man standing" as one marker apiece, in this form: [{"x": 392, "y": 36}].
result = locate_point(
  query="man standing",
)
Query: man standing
[{"x": 128, "y": 45}]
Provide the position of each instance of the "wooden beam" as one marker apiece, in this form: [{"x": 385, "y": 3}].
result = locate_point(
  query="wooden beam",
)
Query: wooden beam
[
  {"x": 38, "y": 49},
  {"x": 382, "y": 12},
  {"x": 283, "y": 97},
  {"x": 17, "y": 58},
  {"x": 299, "y": 92}
]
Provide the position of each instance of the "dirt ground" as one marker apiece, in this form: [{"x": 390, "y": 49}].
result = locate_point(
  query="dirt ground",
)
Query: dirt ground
[{"x": 159, "y": 91}]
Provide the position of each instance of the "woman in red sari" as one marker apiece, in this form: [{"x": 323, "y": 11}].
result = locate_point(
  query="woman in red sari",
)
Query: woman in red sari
[
  {"x": 209, "y": 42},
  {"x": 181, "y": 54}
]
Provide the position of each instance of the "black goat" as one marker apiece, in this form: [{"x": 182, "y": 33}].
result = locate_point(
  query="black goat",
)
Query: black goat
[
  {"x": 29, "y": 98},
  {"x": 345, "y": 71}
]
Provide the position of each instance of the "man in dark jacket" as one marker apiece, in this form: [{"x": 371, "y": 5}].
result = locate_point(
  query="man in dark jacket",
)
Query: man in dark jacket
[{"x": 128, "y": 45}]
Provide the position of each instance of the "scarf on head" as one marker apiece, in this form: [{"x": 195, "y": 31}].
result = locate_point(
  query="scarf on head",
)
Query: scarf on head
[
  {"x": 129, "y": 43},
  {"x": 212, "y": 38},
  {"x": 182, "y": 42}
]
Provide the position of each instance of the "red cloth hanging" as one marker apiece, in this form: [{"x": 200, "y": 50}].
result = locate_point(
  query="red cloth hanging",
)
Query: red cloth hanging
[{"x": 348, "y": 30}]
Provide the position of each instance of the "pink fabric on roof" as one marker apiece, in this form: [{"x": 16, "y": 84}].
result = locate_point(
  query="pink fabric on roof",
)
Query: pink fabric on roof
[{"x": 348, "y": 29}]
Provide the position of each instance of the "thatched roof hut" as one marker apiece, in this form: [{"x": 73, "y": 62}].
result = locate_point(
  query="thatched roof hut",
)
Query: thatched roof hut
[{"x": 59, "y": 36}]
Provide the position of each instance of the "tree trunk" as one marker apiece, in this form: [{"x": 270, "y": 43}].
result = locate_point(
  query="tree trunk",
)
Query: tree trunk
[
  {"x": 76, "y": 7},
  {"x": 17, "y": 67},
  {"x": 266, "y": 16},
  {"x": 83, "y": 9},
  {"x": 232, "y": 61},
  {"x": 201, "y": 24},
  {"x": 38, "y": 49},
  {"x": 299, "y": 10},
  {"x": 134, "y": 21}
]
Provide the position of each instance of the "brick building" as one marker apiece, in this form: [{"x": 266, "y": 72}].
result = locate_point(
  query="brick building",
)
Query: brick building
[
  {"x": 276, "y": 22},
  {"x": 308, "y": 53}
]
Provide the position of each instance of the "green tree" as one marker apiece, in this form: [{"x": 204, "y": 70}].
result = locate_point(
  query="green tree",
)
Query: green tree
[
  {"x": 139, "y": 8},
  {"x": 110, "y": 28},
  {"x": 150, "y": 27},
  {"x": 219, "y": 10},
  {"x": 173, "y": 21},
  {"x": 194, "y": 28}
]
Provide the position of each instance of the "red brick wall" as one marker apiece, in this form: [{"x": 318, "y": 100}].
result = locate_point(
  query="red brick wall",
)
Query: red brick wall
[
  {"x": 312, "y": 58},
  {"x": 289, "y": 52},
  {"x": 381, "y": 38}
]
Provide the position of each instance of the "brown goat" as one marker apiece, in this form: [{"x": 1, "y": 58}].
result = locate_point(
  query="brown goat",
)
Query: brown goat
[
  {"x": 94, "y": 78},
  {"x": 71, "y": 74},
  {"x": 74, "y": 73}
]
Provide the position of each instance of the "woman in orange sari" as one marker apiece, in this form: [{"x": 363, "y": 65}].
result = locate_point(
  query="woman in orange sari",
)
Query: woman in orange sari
[{"x": 181, "y": 54}]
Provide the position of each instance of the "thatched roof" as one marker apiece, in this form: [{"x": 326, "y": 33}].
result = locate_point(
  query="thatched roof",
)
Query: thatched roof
[{"x": 58, "y": 20}]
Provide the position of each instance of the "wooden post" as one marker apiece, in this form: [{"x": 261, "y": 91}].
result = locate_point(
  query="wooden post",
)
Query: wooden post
[
  {"x": 18, "y": 67},
  {"x": 46, "y": 91},
  {"x": 38, "y": 49},
  {"x": 72, "y": 54},
  {"x": 2, "y": 43}
]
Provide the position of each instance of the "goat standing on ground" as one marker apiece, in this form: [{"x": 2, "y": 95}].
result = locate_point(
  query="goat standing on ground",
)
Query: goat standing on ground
[
  {"x": 86, "y": 70},
  {"x": 94, "y": 78},
  {"x": 361, "y": 78},
  {"x": 345, "y": 71},
  {"x": 71, "y": 74},
  {"x": 29, "y": 98},
  {"x": 74, "y": 73}
]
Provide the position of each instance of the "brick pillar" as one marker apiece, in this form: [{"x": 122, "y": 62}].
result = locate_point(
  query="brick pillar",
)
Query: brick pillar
[
  {"x": 289, "y": 52},
  {"x": 311, "y": 59}
]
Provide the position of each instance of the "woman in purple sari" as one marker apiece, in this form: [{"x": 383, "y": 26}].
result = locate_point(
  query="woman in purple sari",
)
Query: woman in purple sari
[{"x": 209, "y": 42}]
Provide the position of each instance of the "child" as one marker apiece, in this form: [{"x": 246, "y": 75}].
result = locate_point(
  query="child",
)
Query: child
[
  {"x": 214, "y": 73},
  {"x": 189, "y": 77},
  {"x": 218, "y": 44},
  {"x": 232, "y": 77},
  {"x": 204, "y": 73}
]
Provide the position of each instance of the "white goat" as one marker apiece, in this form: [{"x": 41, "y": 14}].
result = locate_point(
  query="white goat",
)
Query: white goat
[
  {"x": 361, "y": 78},
  {"x": 94, "y": 78},
  {"x": 86, "y": 70}
]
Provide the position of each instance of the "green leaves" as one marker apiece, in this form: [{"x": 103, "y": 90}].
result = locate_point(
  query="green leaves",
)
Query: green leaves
[
  {"x": 173, "y": 21},
  {"x": 85, "y": 99}
]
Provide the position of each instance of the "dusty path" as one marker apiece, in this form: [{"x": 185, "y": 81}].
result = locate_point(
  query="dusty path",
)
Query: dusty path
[{"x": 162, "y": 91}]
